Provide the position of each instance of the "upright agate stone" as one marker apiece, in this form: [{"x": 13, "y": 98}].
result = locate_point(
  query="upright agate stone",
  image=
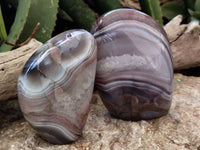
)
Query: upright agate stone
[
  {"x": 55, "y": 87},
  {"x": 134, "y": 65}
]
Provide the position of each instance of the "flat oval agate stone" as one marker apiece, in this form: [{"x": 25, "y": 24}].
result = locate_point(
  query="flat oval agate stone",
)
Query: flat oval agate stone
[
  {"x": 134, "y": 65},
  {"x": 56, "y": 85}
]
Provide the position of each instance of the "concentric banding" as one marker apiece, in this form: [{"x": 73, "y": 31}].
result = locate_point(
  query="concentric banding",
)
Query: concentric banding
[
  {"x": 134, "y": 68},
  {"x": 125, "y": 14},
  {"x": 56, "y": 85},
  {"x": 132, "y": 56}
]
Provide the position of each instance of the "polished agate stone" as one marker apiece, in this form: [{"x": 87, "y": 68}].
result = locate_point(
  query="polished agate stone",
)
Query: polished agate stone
[
  {"x": 134, "y": 65},
  {"x": 56, "y": 86}
]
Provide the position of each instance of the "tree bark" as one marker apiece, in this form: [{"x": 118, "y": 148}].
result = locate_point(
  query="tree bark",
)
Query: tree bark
[{"x": 11, "y": 64}]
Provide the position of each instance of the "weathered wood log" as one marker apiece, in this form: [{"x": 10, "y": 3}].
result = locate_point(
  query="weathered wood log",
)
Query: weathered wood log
[
  {"x": 184, "y": 40},
  {"x": 185, "y": 43},
  {"x": 11, "y": 64}
]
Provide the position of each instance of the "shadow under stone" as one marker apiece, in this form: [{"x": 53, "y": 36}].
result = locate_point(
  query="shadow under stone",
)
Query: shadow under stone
[{"x": 9, "y": 113}]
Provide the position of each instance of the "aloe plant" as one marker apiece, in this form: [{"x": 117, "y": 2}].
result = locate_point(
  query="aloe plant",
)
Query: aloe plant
[
  {"x": 18, "y": 25},
  {"x": 190, "y": 9},
  {"x": 3, "y": 34},
  {"x": 189, "y": 4},
  {"x": 196, "y": 13},
  {"x": 82, "y": 15},
  {"x": 172, "y": 9},
  {"x": 29, "y": 13},
  {"x": 197, "y": 5},
  {"x": 152, "y": 8},
  {"x": 107, "y": 5},
  {"x": 43, "y": 12}
]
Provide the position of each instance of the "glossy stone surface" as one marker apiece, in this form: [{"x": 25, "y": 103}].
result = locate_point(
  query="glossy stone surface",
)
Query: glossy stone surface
[
  {"x": 134, "y": 65},
  {"x": 56, "y": 85}
]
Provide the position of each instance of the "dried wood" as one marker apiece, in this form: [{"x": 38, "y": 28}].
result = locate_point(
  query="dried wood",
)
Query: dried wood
[
  {"x": 185, "y": 43},
  {"x": 184, "y": 40},
  {"x": 11, "y": 64}
]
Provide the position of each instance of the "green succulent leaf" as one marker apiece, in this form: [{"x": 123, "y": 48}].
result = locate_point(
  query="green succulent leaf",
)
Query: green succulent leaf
[
  {"x": 13, "y": 3},
  {"x": 172, "y": 9},
  {"x": 82, "y": 15},
  {"x": 197, "y": 5},
  {"x": 196, "y": 16},
  {"x": 3, "y": 34},
  {"x": 18, "y": 25},
  {"x": 64, "y": 15},
  {"x": 44, "y": 12},
  {"x": 189, "y": 4},
  {"x": 107, "y": 5},
  {"x": 152, "y": 8}
]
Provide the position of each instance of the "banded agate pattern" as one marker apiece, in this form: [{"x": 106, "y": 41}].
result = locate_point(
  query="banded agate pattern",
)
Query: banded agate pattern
[
  {"x": 55, "y": 87},
  {"x": 134, "y": 65}
]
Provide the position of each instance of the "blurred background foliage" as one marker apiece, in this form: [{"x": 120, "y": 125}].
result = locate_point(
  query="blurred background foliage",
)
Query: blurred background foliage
[{"x": 18, "y": 18}]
